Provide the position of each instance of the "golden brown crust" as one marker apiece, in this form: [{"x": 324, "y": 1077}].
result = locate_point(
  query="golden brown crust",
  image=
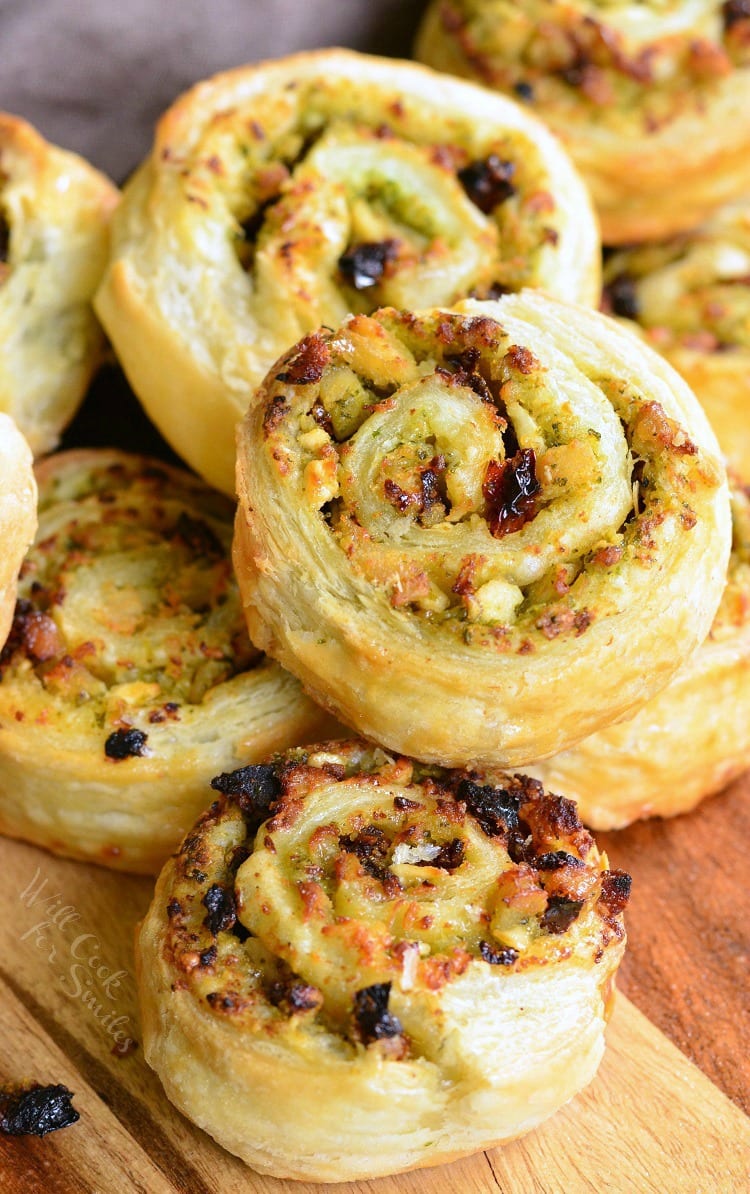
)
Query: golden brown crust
[
  {"x": 54, "y": 239},
  {"x": 404, "y": 963},
  {"x": 649, "y": 98},
  {"x": 281, "y": 196},
  {"x": 687, "y": 742},
  {"x": 17, "y": 514},
  {"x": 470, "y": 534},
  {"x": 127, "y": 679}
]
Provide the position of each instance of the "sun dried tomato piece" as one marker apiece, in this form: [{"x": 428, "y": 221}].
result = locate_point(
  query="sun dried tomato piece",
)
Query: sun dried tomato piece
[
  {"x": 510, "y": 488},
  {"x": 253, "y": 788},
  {"x": 364, "y": 264},
  {"x": 125, "y": 744},
  {"x": 621, "y": 297},
  {"x": 488, "y": 182},
  {"x": 35, "y": 1110},
  {"x": 221, "y": 910},
  {"x": 374, "y": 1021}
]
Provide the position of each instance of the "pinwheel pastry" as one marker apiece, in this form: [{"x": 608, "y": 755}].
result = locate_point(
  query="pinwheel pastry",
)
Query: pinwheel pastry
[
  {"x": 481, "y": 534},
  {"x": 651, "y": 97},
  {"x": 687, "y": 742},
  {"x": 283, "y": 196},
  {"x": 127, "y": 677},
  {"x": 357, "y": 965},
  {"x": 54, "y": 240},
  {"x": 691, "y": 297},
  {"x": 17, "y": 514}
]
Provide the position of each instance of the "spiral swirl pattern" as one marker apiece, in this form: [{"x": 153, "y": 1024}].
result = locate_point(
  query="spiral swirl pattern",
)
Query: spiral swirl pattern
[
  {"x": 283, "y": 196},
  {"x": 406, "y": 963},
  {"x": 650, "y": 98},
  {"x": 471, "y": 533},
  {"x": 127, "y": 677}
]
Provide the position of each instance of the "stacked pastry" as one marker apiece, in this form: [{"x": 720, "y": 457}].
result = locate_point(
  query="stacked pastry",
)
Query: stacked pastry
[
  {"x": 477, "y": 523},
  {"x": 651, "y": 100}
]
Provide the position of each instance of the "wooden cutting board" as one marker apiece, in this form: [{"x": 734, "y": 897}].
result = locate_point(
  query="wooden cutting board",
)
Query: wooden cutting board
[{"x": 651, "y": 1121}]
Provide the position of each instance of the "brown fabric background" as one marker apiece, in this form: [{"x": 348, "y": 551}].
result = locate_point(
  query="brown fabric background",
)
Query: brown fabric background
[{"x": 93, "y": 75}]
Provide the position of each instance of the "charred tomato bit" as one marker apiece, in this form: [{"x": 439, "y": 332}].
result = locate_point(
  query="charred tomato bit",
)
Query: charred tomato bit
[
  {"x": 524, "y": 90},
  {"x": 295, "y": 996},
  {"x": 488, "y": 182},
  {"x": 621, "y": 297},
  {"x": 510, "y": 488},
  {"x": 364, "y": 265},
  {"x": 371, "y": 847},
  {"x": 465, "y": 373},
  {"x": 25, "y": 633},
  {"x": 495, "y": 290},
  {"x": 616, "y": 887},
  {"x": 423, "y": 500},
  {"x": 520, "y": 844},
  {"x": 450, "y": 857},
  {"x": 253, "y": 788},
  {"x": 124, "y": 744},
  {"x": 198, "y": 536},
  {"x": 556, "y": 860},
  {"x": 560, "y": 914},
  {"x": 4, "y": 239},
  {"x": 497, "y": 957},
  {"x": 221, "y": 910},
  {"x": 374, "y": 1021},
  {"x": 208, "y": 957},
  {"x": 35, "y": 1110},
  {"x": 308, "y": 362},
  {"x": 322, "y": 418},
  {"x": 251, "y": 229},
  {"x": 403, "y": 803},
  {"x": 495, "y": 809}
]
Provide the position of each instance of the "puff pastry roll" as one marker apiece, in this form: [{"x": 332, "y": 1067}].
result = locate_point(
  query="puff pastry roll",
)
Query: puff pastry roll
[
  {"x": 54, "y": 242},
  {"x": 406, "y": 964},
  {"x": 481, "y": 534},
  {"x": 691, "y": 739},
  {"x": 651, "y": 98},
  {"x": 17, "y": 514},
  {"x": 691, "y": 297},
  {"x": 127, "y": 678},
  {"x": 283, "y": 196}
]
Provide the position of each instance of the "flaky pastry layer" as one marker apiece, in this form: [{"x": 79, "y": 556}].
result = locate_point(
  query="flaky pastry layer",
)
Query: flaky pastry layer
[
  {"x": 128, "y": 679},
  {"x": 357, "y": 965},
  {"x": 281, "y": 196},
  {"x": 687, "y": 742},
  {"x": 650, "y": 99},
  {"x": 482, "y": 534},
  {"x": 55, "y": 211}
]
